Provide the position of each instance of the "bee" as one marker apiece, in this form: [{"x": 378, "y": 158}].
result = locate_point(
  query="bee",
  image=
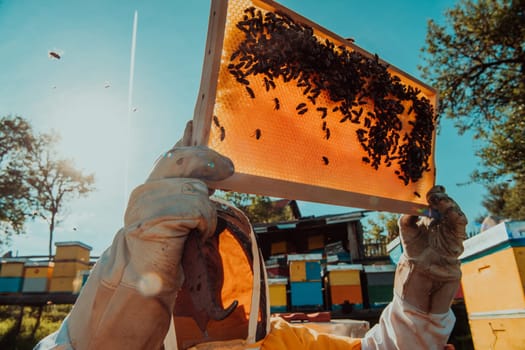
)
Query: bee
[
  {"x": 324, "y": 125},
  {"x": 300, "y": 106},
  {"x": 366, "y": 160},
  {"x": 223, "y": 133},
  {"x": 216, "y": 121},
  {"x": 258, "y": 134},
  {"x": 417, "y": 194},
  {"x": 324, "y": 112},
  {"x": 54, "y": 54},
  {"x": 325, "y": 160},
  {"x": 303, "y": 111},
  {"x": 327, "y": 133},
  {"x": 276, "y": 103},
  {"x": 250, "y": 92}
]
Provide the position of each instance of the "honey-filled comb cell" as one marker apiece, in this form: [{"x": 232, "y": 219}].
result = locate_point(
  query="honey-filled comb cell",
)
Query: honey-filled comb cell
[{"x": 305, "y": 114}]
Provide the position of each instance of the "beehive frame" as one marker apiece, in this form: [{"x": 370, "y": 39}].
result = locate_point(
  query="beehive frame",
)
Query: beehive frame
[{"x": 298, "y": 130}]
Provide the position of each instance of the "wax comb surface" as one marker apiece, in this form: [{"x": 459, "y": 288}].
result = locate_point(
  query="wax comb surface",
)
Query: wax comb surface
[{"x": 305, "y": 114}]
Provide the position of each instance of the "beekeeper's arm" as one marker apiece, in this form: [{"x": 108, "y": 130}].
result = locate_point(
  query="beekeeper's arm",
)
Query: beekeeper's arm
[
  {"x": 128, "y": 299},
  {"x": 427, "y": 279}
]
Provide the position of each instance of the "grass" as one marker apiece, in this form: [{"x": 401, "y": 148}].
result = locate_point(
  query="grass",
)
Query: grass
[{"x": 28, "y": 336}]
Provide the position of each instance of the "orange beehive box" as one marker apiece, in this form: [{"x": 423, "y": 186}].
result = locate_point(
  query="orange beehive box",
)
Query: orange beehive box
[
  {"x": 349, "y": 293},
  {"x": 306, "y": 114}
]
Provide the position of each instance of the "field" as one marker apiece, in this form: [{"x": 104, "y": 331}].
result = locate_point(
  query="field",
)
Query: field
[{"x": 24, "y": 335}]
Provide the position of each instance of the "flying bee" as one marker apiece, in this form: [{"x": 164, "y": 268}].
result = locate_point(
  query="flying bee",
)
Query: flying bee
[{"x": 54, "y": 55}]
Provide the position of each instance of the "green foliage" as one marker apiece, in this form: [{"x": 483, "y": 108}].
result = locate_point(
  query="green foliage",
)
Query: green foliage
[
  {"x": 54, "y": 181},
  {"x": 16, "y": 142},
  {"x": 259, "y": 209},
  {"x": 383, "y": 225},
  {"x": 477, "y": 63},
  {"x": 34, "y": 180},
  {"x": 51, "y": 318}
]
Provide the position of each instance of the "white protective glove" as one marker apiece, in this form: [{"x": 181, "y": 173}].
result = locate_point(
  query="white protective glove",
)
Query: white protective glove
[
  {"x": 427, "y": 278},
  {"x": 128, "y": 299}
]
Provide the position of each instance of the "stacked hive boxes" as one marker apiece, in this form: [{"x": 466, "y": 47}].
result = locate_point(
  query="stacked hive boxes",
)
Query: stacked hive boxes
[
  {"x": 380, "y": 284},
  {"x": 493, "y": 267},
  {"x": 11, "y": 275},
  {"x": 37, "y": 276},
  {"x": 306, "y": 290},
  {"x": 278, "y": 294},
  {"x": 70, "y": 259},
  {"x": 345, "y": 285}
]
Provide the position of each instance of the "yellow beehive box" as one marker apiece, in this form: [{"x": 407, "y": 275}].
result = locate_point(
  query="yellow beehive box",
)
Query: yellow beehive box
[
  {"x": 344, "y": 274},
  {"x": 69, "y": 268},
  {"x": 38, "y": 269},
  {"x": 503, "y": 330},
  {"x": 12, "y": 267},
  {"x": 493, "y": 269},
  {"x": 65, "y": 284},
  {"x": 72, "y": 250},
  {"x": 277, "y": 290},
  {"x": 302, "y": 108}
]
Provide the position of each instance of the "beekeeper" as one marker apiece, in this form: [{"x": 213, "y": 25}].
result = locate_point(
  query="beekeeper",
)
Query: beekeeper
[{"x": 131, "y": 301}]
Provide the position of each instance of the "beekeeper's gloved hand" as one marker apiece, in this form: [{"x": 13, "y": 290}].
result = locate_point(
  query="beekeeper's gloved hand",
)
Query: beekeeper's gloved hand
[
  {"x": 428, "y": 274},
  {"x": 427, "y": 278},
  {"x": 128, "y": 299}
]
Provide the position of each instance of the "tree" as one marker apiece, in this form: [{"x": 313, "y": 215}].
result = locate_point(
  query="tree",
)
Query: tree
[
  {"x": 477, "y": 63},
  {"x": 16, "y": 143},
  {"x": 54, "y": 181},
  {"x": 259, "y": 209},
  {"x": 383, "y": 221}
]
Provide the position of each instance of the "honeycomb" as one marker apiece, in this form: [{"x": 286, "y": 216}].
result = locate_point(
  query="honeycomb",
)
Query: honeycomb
[{"x": 305, "y": 114}]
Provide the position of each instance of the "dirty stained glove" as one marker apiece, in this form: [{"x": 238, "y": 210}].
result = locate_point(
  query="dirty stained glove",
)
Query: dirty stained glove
[
  {"x": 428, "y": 273},
  {"x": 128, "y": 300}
]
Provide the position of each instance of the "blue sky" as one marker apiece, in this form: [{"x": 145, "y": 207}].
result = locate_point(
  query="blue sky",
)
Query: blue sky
[{"x": 84, "y": 95}]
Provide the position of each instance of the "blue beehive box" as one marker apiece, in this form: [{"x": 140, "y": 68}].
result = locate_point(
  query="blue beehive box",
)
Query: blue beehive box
[
  {"x": 306, "y": 294},
  {"x": 395, "y": 250},
  {"x": 11, "y": 284}
]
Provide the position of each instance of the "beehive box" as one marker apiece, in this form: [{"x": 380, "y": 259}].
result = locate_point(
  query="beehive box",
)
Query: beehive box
[
  {"x": 10, "y": 284},
  {"x": 306, "y": 114},
  {"x": 304, "y": 267},
  {"x": 498, "y": 330},
  {"x": 278, "y": 294},
  {"x": 493, "y": 269},
  {"x": 395, "y": 250},
  {"x": 72, "y": 250},
  {"x": 37, "y": 276},
  {"x": 344, "y": 282},
  {"x": 380, "y": 284},
  {"x": 306, "y": 294},
  {"x": 69, "y": 268},
  {"x": 65, "y": 284},
  {"x": 12, "y": 267}
]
